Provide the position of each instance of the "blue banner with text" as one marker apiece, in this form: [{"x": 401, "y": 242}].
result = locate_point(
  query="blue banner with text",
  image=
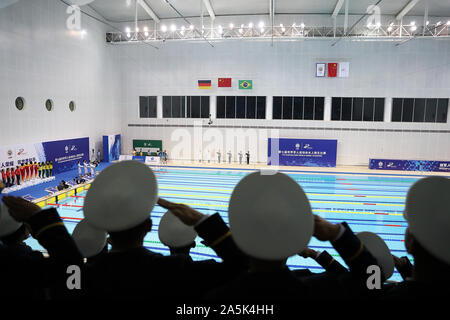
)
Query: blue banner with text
[
  {"x": 302, "y": 152},
  {"x": 409, "y": 165}
]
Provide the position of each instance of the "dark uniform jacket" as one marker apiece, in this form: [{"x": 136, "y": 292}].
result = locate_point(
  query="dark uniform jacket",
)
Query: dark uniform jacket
[
  {"x": 141, "y": 274},
  {"x": 285, "y": 285},
  {"x": 28, "y": 274}
]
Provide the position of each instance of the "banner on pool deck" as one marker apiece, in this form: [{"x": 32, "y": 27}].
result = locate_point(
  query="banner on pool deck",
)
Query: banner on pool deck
[
  {"x": 64, "y": 154},
  {"x": 302, "y": 152},
  {"x": 409, "y": 165},
  {"x": 111, "y": 147}
]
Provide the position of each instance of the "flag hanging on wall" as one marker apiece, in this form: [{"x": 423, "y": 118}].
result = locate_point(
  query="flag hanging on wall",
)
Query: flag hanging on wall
[
  {"x": 245, "y": 84},
  {"x": 320, "y": 69},
  {"x": 204, "y": 84},
  {"x": 332, "y": 69},
  {"x": 224, "y": 83},
  {"x": 344, "y": 69}
]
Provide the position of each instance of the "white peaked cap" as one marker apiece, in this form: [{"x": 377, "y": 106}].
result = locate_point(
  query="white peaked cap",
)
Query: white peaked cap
[
  {"x": 378, "y": 248},
  {"x": 270, "y": 216},
  {"x": 121, "y": 197},
  {"x": 89, "y": 240},
  {"x": 174, "y": 233},
  {"x": 427, "y": 211},
  {"x": 7, "y": 224}
]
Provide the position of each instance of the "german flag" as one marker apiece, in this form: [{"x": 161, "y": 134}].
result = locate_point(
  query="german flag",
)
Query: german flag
[{"x": 204, "y": 84}]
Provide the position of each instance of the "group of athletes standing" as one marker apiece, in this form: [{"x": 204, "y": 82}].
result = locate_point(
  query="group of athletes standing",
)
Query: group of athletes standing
[{"x": 26, "y": 172}]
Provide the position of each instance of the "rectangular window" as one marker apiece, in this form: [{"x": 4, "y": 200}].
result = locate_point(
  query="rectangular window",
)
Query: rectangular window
[
  {"x": 430, "y": 110},
  {"x": 336, "y": 108},
  {"x": 419, "y": 110},
  {"x": 147, "y": 107},
  {"x": 308, "y": 111},
  {"x": 261, "y": 107},
  {"x": 251, "y": 108},
  {"x": 347, "y": 106},
  {"x": 220, "y": 105},
  {"x": 298, "y": 108},
  {"x": 369, "y": 106},
  {"x": 408, "y": 109},
  {"x": 167, "y": 107},
  {"x": 379, "y": 109},
  {"x": 277, "y": 107},
  {"x": 357, "y": 109},
  {"x": 241, "y": 107},
  {"x": 287, "y": 107},
  {"x": 204, "y": 105},
  {"x": 230, "y": 103},
  {"x": 185, "y": 106},
  {"x": 195, "y": 107},
  {"x": 319, "y": 107}
]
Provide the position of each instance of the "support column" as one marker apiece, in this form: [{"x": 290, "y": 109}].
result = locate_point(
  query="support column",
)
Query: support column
[
  {"x": 387, "y": 109},
  {"x": 159, "y": 112},
  {"x": 213, "y": 106},
  {"x": 269, "y": 107},
  {"x": 327, "y": 109}
]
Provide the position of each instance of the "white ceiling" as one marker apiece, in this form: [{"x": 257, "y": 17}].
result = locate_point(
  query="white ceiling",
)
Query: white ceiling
[{"x": 124, "y": 10}]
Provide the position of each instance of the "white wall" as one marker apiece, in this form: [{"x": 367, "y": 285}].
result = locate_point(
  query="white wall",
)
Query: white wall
[
  {"x": 419, "y": 68},
  {"x": 39, "y": 59}
]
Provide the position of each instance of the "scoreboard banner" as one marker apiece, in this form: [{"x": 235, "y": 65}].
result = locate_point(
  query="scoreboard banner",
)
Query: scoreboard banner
[
  {"x": 302, "y": 152},
  {"x": 111, "y": 147},
  {"x": 64, "y": 154},
  {"x": 147, "y": 147},
  {"x": 409, "y": 165}
]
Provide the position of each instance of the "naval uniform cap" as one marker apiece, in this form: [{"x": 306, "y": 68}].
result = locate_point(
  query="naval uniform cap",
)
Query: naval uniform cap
[
  {"x": 89, "y": 239},
  {"x": 427, "y": 211},
  {"x": 378, "y": 248},
  {"x": 174, "y": 233},
  {"x": 270, "y": 216},
  {"x": 7, "y": 224},
  {"x": 121, "y": 197}
]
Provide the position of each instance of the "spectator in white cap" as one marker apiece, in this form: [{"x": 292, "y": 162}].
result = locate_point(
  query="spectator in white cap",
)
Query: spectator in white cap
[
  {"x": 271, "y": 220},
  {"x": 427, "y": 239},
  {"x": 120, "y": 201},
  {"x": 91, "y": 241},
  {"x": 173, "y": 233}
]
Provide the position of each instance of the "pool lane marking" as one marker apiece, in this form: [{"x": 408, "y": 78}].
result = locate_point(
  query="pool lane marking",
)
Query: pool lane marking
[
  {"x": 207, "y": 170},
  {"x": 317, "y": 210},
  {"x": 312, "y": 194},
  {"x": 312, "y": 201}
]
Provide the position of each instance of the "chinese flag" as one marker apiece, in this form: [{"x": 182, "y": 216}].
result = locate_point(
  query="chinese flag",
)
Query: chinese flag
[
  {"x": 332, "y": 69},
  {"x": 224, "y": 83}
]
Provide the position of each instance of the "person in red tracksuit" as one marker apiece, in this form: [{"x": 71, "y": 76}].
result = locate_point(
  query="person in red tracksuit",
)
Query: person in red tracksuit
[
  {"x": 8, "y": 178},
  {"x": 22, "y": 172},
  {"x": 27, "y": 171},
  {"x": 13, "y": 176},
  {"x": 4, "y": 176},
  {"x": 18, "y": 175}
]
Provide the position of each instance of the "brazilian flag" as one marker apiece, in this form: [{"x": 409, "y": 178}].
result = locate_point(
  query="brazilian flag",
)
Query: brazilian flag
[{"x": 245, "y": 84}]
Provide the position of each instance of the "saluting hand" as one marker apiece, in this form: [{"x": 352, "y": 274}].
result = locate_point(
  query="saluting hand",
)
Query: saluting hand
[
  {"x": 20, "y": 209},
  {"x": 324, "y": 230},
  {"x": 186, "y": 214}
]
